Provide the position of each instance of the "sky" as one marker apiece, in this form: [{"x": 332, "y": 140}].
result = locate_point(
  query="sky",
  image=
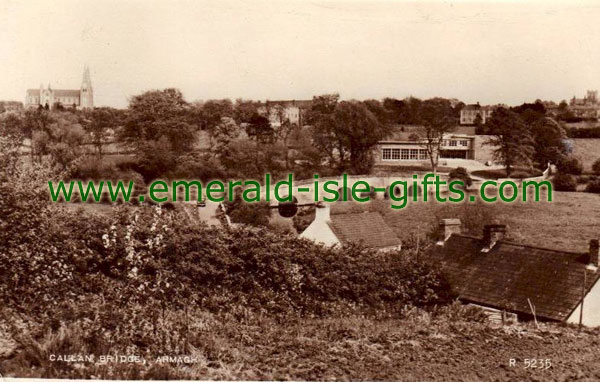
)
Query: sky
[{"x": 488, "y": 52}]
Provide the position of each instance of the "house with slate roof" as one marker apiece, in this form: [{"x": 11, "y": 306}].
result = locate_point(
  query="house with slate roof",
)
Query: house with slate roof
[
  {"x": 364, "y": 228},
  {"x": 495, "y": 273}
]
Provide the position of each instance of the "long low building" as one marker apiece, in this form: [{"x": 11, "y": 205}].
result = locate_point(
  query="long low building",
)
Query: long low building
[{"x": 408, "y": 147}]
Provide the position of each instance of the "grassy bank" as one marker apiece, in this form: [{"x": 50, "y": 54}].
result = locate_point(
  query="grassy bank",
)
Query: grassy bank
[{"x": 448, "y": 345}]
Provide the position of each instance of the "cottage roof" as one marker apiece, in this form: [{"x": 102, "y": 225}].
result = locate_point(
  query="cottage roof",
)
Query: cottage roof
[
  {"x": 366, "y": 228},
  {"x": 510, "y": 274}
]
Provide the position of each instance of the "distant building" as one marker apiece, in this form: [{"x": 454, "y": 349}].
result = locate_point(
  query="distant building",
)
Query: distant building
[
  {"x": 82, "y": 98},
  {"x": 469, "y": 113},
  {"x": 279, "y": 111},
  {"x": 11, "y": 106},
  {"x": 495, "y": 273},
  {"x": 587, "y": 107},
  {"x": 366, "y": 228},
  {"x": 406, "y": 146}
]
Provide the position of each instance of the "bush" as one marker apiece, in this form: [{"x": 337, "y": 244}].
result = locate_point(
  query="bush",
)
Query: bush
[
  {"x": 583, "y": 179},
  {"x": 570, "y": 166},
  {"x": 564, "y": 182},
  {"x": 596, "y": 167},
  {"x": 593, "y": 185},
  {"x": 254, "y": 214},
  {"x": 460, "y": 173}
]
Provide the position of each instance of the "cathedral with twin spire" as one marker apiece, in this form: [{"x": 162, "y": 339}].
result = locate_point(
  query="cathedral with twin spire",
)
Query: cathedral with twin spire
[{"x": 49, "y": 98}]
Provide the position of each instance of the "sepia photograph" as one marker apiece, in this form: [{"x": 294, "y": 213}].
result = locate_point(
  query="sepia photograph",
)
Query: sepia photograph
[{"x": 302, "y": 190}]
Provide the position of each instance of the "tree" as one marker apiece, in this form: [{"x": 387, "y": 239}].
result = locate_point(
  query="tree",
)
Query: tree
[
  {"x": 213, "y": 113},
  {"x": 378, "y": 111},
  {"x": 202, "y": 166},
  {"x": 569, "y": 165},
  {"x": 254, "y": 214},
  {"x": 259, "y": 128},
  {"x": 12, "y": 125},
  {"x": 65, "y": 141},
  {"x": 36, "y": 127},
  {"x": 99, "y": 123},
  {"x": 156, "y": 114},
  {"x": 38, "y": 119},
  {"x": 437, "y": 117},
  {"x": 244, "y": 110},
  {"x": 155, "y": 158},
  {"x": 10, "y": 145},
  {"x": 243, "y": 157},
  {"x": 321, "y": 105},
  {"x": 305, "y": 158},
  {"x": 563, "y": 105},
  {"x": 531, "y": 112},
  {"x": 347, "y": 136},
  {"x": 223, "y": 133},
  {"x": 510, "y": 138},
  {"x": 549, "y": 142},
  {"x": 282, "y": 128}
]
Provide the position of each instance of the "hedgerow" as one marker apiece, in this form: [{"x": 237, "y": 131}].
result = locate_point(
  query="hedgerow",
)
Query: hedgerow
[{"x": 137, "y": 281}]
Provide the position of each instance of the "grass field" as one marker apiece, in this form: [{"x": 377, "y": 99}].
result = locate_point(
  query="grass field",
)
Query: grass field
[
  {"x": 587, "y": 151},
  {"x": 567, "y": 223}
]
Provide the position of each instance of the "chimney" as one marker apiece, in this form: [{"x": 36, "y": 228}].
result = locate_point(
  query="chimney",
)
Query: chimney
[
  {"x": 447, "y": 228},
  {"x": 322, "y": 213},
  {"x": 492, "y": 233},
  {"x": 594, "y": 253}
]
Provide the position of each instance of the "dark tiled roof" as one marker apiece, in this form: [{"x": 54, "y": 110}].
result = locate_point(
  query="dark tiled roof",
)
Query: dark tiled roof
[
  {"x": 56, "y": 92},
  {"x": 366, "y": 228},
  {"x": 474, "y": 106},
  {"x": 302, "y": 104},
  {"x": 66, "y": 93},
  {"x": 509, "y": 274}
]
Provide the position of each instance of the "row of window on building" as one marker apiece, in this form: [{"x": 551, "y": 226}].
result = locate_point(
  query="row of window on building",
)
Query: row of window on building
[
  {"x": 452, "y": 142},
  {"x": 404, "y": 154}
]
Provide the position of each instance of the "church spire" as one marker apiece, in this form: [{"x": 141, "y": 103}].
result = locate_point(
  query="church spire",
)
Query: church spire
[
  {"x": 86, "y": 76},
  {"x": 86, "y": 93}
]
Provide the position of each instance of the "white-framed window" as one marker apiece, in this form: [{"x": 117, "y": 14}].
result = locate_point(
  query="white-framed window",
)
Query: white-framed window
[
  {"x": 453, "y": 143},
  {"x": 464, "y": 142},
  {"x": 386, "y": 154},
  {"x": 392, "y": 154}
]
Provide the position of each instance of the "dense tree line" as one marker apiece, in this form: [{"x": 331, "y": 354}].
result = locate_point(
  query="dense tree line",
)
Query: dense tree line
[{"x": 525, "y": 136}]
